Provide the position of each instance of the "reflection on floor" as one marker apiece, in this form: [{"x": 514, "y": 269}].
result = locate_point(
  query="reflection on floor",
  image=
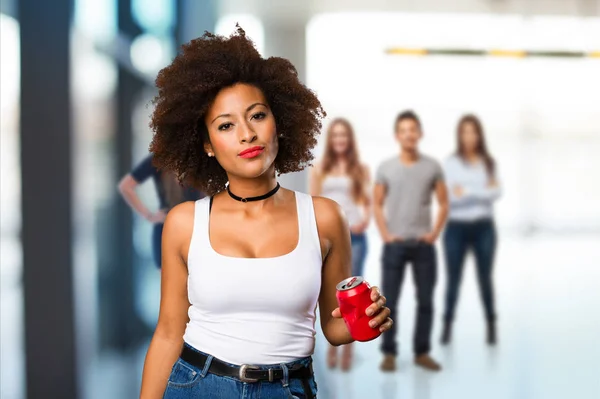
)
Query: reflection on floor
[
  {"x": 549, "y": 325},
  {"x": 548, "y": 330}
]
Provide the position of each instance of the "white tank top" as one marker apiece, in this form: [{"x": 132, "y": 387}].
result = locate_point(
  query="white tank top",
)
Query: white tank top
[
  {"x": 339, "y": 189},
  {"x": 254, "y": 310}
]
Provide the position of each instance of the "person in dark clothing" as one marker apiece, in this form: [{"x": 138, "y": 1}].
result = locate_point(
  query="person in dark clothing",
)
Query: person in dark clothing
[{"x": 168, "y": 190}]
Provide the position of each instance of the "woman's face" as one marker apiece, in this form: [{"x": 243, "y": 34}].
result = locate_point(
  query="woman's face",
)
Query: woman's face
[
  {"x": 469, "y": 137},
  {"x": 340, "y": 139},
  {"x": 242, "y": 131}
]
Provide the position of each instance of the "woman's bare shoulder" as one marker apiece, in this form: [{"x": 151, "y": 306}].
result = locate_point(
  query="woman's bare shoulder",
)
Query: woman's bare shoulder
[
  {"x": 179, "y": 223},
  {"x": 330, "y": 216},
  {"x": 365, "y": 169}
]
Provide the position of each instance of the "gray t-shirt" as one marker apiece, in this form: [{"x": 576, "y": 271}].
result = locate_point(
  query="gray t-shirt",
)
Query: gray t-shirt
[{"x": 409, "y": 192}]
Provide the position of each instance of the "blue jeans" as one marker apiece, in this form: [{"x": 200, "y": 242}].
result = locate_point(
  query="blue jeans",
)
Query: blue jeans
[
  {"x": 188, "y": 381},
  {"x": 423, "y": 258},
  {"x": 156, "y": 243},
  {"x": 359, "y": 253},
  {"x": 460, "y": 237}
]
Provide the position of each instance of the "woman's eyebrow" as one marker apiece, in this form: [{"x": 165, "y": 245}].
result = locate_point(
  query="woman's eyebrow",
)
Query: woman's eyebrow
[{"x": 250, "y": 108}]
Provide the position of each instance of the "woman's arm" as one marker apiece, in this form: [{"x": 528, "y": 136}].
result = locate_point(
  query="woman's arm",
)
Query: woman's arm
[
  {"x": 315, "y": 180},
  {"x": 335, "y": 238},
  {"x": 462, "y": 195},
  {"x": 142, "y": 172},
  {"x": 454, "y": 188},
  {"x": 367, "y": 204},
  {"x": 167, "y": 341},
  {"x": 127, "y": 187},
  {"x": 490, "y": 192}
]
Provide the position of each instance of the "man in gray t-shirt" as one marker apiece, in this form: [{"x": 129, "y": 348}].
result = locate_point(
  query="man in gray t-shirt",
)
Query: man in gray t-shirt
[
  {"x": 408, "y": 195},
  {"x": 404, "y": 186}
]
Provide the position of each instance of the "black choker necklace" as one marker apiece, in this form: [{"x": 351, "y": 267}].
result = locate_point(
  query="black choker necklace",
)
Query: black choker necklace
[{"x": 249, "y": 199}]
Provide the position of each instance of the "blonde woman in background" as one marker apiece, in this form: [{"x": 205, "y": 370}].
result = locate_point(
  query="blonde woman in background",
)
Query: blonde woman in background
[{"x": 341, "y": 176}]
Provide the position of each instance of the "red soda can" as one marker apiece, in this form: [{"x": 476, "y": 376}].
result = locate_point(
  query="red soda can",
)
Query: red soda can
[{"x": 354, "y": 297}]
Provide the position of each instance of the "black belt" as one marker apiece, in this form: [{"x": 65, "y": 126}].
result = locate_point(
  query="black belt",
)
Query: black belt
[{"x": 245, "y": 372}]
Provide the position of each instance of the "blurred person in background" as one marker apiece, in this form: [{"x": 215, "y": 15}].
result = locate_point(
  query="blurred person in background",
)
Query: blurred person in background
[
  {"x": 244, "y": 268},
  {"x": 404, "y": 186},
  {"x": 340, "y": 176},
  {"x": 169, "y": 192},
  {"x": 472, "y": 181}
]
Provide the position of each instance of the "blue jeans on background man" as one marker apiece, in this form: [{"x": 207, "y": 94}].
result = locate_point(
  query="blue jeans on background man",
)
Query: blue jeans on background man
[{"x": 422, "y": 256}]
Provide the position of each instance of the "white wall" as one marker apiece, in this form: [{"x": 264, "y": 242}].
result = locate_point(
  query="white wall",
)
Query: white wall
[{"x": 541, "y": 115}]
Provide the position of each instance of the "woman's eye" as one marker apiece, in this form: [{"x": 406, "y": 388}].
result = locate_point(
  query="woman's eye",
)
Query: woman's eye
[
  {"x": 260, "y": 115},
  {"x": 225, "y": 126}
]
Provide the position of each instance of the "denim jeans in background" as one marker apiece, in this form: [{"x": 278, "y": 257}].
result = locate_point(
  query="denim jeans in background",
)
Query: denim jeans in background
[
  {"x": 187, "y": 381},
  {"x": 459, "y": 238},
  {"x": 423, "y": 259},
  {"x": 157, "y": 230},
  {"x": 359, "y": 253}
]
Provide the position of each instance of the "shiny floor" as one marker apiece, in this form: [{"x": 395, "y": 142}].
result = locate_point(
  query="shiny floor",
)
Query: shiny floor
[{"x": 549, "y": 328}]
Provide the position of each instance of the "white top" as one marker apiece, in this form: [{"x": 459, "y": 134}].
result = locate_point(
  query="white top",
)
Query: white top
[
  {"x": 254, "y": 310},
  {"x": 478, "y": 197},
  {"x": 339, "y": 189}
]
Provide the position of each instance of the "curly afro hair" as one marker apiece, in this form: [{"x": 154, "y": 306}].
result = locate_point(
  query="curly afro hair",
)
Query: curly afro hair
[{"x": 188, "y": 86}]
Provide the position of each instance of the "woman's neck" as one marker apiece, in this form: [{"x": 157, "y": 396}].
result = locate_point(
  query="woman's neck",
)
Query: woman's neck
[
  {"x": 471, "y": 156},
  {"x": 247, "y": 188},
  {"x": 339, "y": 165}
]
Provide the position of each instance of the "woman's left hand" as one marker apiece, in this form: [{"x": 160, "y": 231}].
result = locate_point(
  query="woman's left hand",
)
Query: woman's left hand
[
  {"x": 380, "y": 312},
  {"x": 359, "y": 228}
]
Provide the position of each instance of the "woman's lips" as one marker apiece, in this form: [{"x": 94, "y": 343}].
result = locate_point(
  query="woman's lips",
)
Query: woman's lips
[{"x": 251, "y": 152}]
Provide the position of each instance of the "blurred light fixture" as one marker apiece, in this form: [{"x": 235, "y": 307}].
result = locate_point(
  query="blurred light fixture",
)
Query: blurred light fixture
[
  {"x": 491, "y": 52},
  {"x": 10, "y": 54},
  {"x": 252, "y": 26},
  {"x": 149, "y": 54}
]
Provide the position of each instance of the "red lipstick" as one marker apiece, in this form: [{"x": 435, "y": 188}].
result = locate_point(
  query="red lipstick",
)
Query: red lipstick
[{"x": 251, "y": 152}]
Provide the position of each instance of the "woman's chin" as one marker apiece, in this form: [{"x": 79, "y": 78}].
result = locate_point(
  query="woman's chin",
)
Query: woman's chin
[{"x": 254, "y": 171}]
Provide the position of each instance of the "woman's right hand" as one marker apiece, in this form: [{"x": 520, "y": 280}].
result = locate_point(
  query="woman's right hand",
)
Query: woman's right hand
[
  {"x": 458, "y": 191},
  {"x": 158, "y": 217},
  {"x": 360, "y": 227}
]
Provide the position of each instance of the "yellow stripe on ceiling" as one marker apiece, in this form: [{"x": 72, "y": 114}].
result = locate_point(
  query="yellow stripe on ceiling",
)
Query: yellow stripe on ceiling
[
  {"x": 508, "y": 53},
  {"x": 489, "y": 53},
  {"x": 407, "y": 51}
]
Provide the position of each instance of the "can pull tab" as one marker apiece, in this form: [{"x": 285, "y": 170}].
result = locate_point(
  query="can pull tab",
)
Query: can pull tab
[{"x": 351, "y": 282}]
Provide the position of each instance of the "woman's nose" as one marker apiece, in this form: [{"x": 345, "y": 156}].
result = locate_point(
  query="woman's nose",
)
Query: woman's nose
[{"x": 246, "y": 133}]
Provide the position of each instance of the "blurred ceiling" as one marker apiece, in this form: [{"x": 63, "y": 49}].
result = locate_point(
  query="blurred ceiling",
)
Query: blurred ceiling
[{"x": 282, "y": 12}]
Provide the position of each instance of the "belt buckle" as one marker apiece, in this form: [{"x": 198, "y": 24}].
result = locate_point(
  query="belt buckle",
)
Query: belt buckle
[{"x": 243, "y": 369}]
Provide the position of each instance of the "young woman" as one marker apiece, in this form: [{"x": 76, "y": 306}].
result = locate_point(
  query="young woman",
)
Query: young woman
[
  {"x": 169, "y": 191},
  {"x": 243, "y": 269},
  {"x": 341, "y": 177},
  {"x": 473, "y": 185}
]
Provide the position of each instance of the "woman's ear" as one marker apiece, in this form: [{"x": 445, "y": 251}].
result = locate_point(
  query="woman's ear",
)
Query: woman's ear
[{"x": 208, "y": 150}]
